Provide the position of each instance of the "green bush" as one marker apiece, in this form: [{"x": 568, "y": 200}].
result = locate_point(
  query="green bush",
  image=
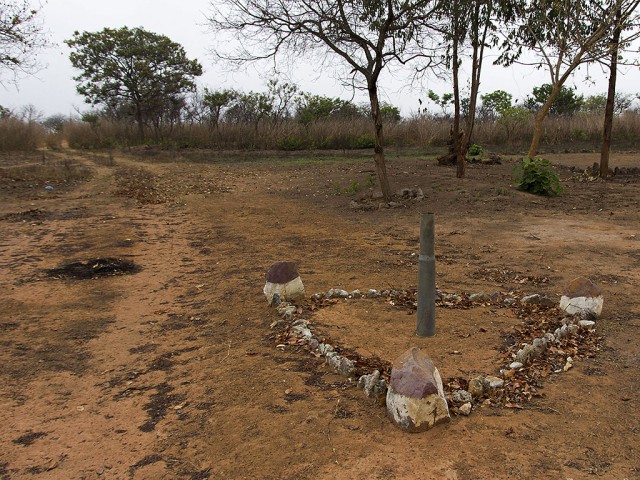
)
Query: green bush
[
  {"x": 353, "y": 188},
  {"x": 292, "y": 143},
  {"x": 364, "y": 141},
  {"x": 536, "y": 175},
  {"x": 475, "y": 150}
]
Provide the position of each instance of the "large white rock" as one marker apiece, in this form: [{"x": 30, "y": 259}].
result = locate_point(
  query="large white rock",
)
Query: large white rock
[
  {"x": 283, "y": 279},
  {"x": 415, "y": 398},
  {"x": 582, "y": 297}
]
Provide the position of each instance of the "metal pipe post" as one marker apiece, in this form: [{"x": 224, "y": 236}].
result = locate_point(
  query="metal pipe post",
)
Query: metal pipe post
[{"x": 426, "y": 321}]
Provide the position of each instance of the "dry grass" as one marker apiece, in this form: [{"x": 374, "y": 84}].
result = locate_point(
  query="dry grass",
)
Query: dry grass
[
  {"x": 46, "y": 170},
  {"x": 578, "y": 132},
  {"x": 16, "y": 135}
]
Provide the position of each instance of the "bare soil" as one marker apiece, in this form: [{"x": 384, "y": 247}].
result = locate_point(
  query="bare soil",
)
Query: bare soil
[{"x": 157, "y": 360}]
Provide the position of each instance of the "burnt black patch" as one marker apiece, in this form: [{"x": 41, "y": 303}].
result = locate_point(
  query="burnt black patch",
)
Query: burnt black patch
[
  {"x": 33, "y": 215},
  {"x": 158, "y": 405},
  {"x": 28, "y": 438},
  {"x": 94, "y": 268},
  {"x": 149, "y": 347},
  {"x": 148, "y": 460}
]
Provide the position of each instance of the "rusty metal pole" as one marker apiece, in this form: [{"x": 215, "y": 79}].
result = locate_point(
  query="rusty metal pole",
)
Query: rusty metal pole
[{"x": 426, "y": 321}]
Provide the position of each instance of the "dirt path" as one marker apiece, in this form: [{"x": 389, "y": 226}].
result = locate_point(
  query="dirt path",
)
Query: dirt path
[{"x": 171, "y": 372}]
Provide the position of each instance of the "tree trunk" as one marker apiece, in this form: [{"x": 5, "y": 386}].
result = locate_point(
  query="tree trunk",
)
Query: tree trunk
[
  {"x": 611, "y": 92},
  {"x": 139, "y": 122},
  {"x": 478, "y": 42},
  {"x": 381, "y": 168},
  {"x": 539, "y": 118},
  {"x": 457, "y": 140}
]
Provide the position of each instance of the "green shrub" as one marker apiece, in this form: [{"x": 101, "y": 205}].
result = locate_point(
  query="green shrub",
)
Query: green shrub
[
  {"x": 371, "y": 181},
  {"x": 475, "y": 150},
  {"x": 352, "y": 189},
  {"x": 364, "y": 141},
  {"x": 536, "y": 175},
  {"x": 292, "y": 143}
]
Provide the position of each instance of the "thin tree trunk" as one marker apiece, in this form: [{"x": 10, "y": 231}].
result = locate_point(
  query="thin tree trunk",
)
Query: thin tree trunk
[
  {"x": 539, "y": 118},
  {"x": 611, "y": 93},
  {"x": 478, "y": 43},
  {"x": 457, "y": 137},
  {"x": 381, "y": 168},
  {"x": 139, "y": 122}
]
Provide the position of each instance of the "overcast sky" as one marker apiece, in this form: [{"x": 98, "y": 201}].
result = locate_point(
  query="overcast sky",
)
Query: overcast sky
[{"x": 52, "y": 90}]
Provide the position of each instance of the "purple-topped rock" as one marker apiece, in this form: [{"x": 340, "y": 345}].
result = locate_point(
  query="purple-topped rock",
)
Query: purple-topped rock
[
  {"x": 282, "y": 272},
  {"x": 413, "y": 374},
  {"x": 582, "y": 287},
  {"x": 283, "y": 283},
  {"x": 415, "y": 399},
  {"x": 582, "y": 297}
]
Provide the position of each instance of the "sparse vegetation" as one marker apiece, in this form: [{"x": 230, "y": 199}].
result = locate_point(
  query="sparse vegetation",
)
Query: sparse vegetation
[{"x": 537, "y": 176}]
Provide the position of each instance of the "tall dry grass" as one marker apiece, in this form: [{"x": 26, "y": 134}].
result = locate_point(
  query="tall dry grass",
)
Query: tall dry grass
[
  {"x": 576, "y": 132},
  {"x": 18, "y": 135}
]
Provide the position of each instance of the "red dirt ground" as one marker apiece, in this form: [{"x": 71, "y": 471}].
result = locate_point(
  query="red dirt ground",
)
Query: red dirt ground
[{"x": 172, "y": 372}]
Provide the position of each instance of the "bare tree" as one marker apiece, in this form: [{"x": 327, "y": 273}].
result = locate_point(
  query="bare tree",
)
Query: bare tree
[
  {"x": 365, "y": 36},
  {"x": 21, "y": 36},
  {"x": 470, "y": 25},
  {"x": 562, "y": 35}
]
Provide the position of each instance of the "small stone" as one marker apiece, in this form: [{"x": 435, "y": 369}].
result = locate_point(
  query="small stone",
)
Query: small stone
[
  {"x": 394, "y": 204},
  {"x": 587, "y": 324},
  {"x": 367, "y": 382},
  {"x": 515, "y": 365},
  {"x": 530, "y": 298},
  {"x": 451, "y": 297},
  {"x": 568, "y": 365},
  {"x": 537, "y": 299},
  {"x": 275, "y": 300},
  {"x": 573, "y": 329},
  {"x": 337, "y": 293},
  {"x": 287, "y": 312},
  {"x": 465, "y": 409},
  {"x": 539, "y": 346},
  {"x": 460, "y": 397},
  {"x": 527, "y": 353},
  {"x": 355, "y": 294},
  {"x": 493, "y": 382},
  {"x": 549, "y": 337},
  {"x": 325, "y": 348},
  {"x": 415, "y": 398},
  {"x": 476, "y": 387},
  {"x": 509, "y": 301},
  {"x": 313, "y": 344},
  {"x": 479, "y": 297},
  {"x": 373, "y": 293}
]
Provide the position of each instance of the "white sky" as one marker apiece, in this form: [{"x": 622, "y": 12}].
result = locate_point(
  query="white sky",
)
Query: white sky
[{"x": 52, "y": 90}]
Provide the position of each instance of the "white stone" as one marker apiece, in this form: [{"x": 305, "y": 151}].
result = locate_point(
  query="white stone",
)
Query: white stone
[
  {"x": 493, "y": 382},
  {"x": 290, "y": 291},
  {"x": 465, "y": 409},
  {"x": 515, "y": 365},
  {"x": 584, "y": 306},
  {"x": 587, "y": 324}
]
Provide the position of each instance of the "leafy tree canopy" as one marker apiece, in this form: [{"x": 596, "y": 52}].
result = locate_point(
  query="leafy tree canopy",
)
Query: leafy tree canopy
[
  {"x": 567, "y": 102},
  {"x": 131, "y": 67}
]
